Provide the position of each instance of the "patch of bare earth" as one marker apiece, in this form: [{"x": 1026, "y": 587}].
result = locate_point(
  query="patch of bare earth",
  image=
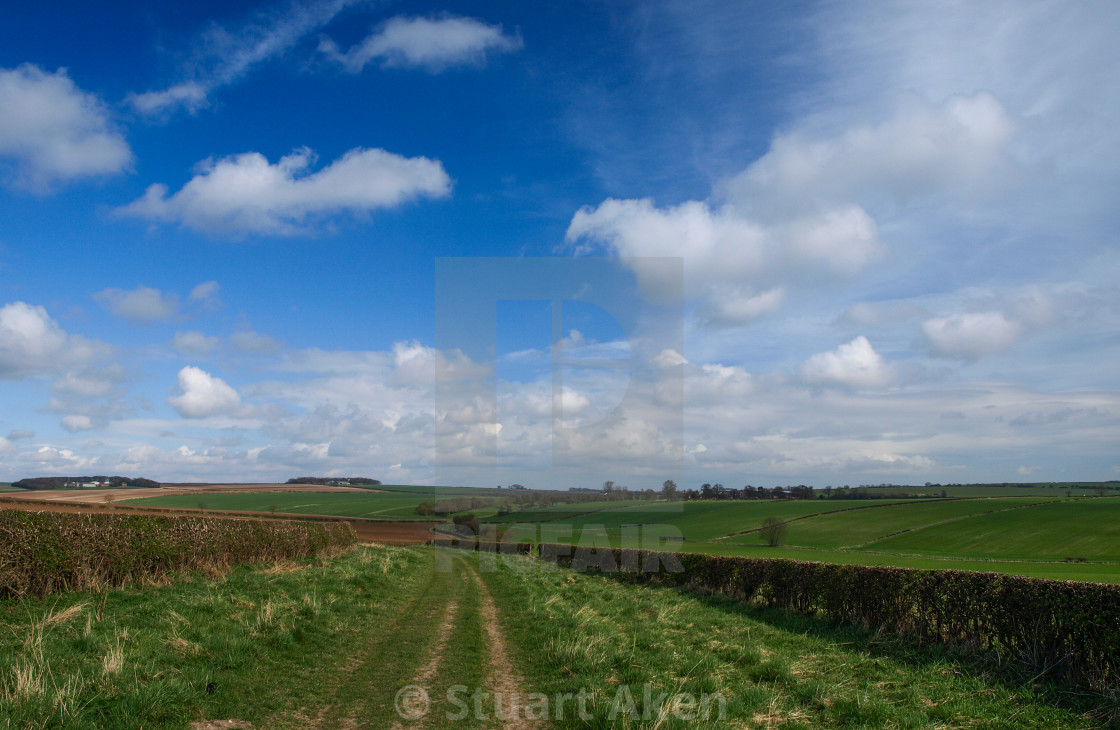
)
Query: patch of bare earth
[
  {"x": 219, "y": 724},
  {"x": 504, "y": 681}
]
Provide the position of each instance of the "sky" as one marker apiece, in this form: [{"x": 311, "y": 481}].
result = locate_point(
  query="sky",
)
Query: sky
[{"x": 559, "y": 243}]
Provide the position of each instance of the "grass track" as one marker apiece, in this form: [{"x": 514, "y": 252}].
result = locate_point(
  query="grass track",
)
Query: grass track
[{"x": 592, "y": 632}]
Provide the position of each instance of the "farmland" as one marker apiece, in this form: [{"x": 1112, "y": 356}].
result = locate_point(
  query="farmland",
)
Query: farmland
[
  {"x": 329, "y": 642},
  {"x": 1050, "y": 537},
  {"x": 1035, "y": 531},
  {"x": 371, "y": 504}
]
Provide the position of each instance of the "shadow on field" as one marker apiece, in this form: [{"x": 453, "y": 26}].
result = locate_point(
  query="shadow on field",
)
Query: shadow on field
[{"x": 985, "y": 666}]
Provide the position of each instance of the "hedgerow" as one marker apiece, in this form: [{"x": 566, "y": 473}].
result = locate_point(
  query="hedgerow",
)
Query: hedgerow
[
  {"x": 45, "y": 552},
  {"x": 1068, "y": 629}
]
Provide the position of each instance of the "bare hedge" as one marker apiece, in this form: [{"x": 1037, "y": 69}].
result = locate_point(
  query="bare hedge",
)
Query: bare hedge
[{"x": 45, "y": 552}]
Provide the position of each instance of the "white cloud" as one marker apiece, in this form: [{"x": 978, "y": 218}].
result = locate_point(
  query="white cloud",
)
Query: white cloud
[
  {"x": 255, "y": 343},
  {"x": 52, "y": 131},
  {"x": 970, "y": 335},
  {"x": 31, "y": 344},
  {"x": 195, "y": 343},
  {"x": 222, "y": 57},
  {"x": 246, "y": 194},
  {"x": 202, "y": 395},
  {"x": 433, "y": 44},
  {"x": 921, "y": 149},
  {"x": 20, "y": 433},
  {"x": 73, "y": 424},
  {"x": 854, "y": 365},
  {"x": 189, "y": 95},
  {"x": 800, "y": 211},
  {"x": 205, "y": 294},
  {"x": 7, "y": 447},
  {"x": 142, "y": 304}
]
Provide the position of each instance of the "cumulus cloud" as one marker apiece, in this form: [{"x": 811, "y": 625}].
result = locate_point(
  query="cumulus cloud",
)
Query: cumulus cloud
[
  {"x": 245, "y": 194},
  {"x": 854, "y": 365},
  {"x": 7, "y": 447},
  {"x": 255, "y": 343},
  {"x": 32, "y": 344},
  {"x": 203, "y": 395},
  {"x": 145, "y": 304},
  {"x": 73, "y": 424},
  {"x": 20, "y": 433},
  {"x": 432, "y": 44},
  {"x": 142, "y": 304},
  {"x": 970, "y": 335},
  {"x": 51, "y": 131},
  {"x": 798, "y": 213},
  {"x": 206, "y": 294},
  {"x": 922, "y": 148},
  {"x": 195, "y": 343}
]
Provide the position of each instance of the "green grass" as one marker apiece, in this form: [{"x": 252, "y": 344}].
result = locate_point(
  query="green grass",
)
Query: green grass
[
  {"x": 314, "y": 642},
  {"x": 851, "y": 529},
  {"x": 594, "y": 633},
  {"x": 1082, "y": 528},
  {"x": 374, "y": 505},
  {"x": 696, "y": 521},
  {"x": 6, "y": 487},
  {"x": 1016, "y": 535}
]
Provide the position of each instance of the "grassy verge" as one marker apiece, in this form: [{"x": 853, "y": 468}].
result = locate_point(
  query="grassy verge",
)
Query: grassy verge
[
  {"x": 575, "y": 631},
  {"x": 268, "y": 645}
]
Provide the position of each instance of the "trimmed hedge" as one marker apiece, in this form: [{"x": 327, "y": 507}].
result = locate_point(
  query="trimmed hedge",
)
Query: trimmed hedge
[
  {"x": 1070, "y": 629},
  {"x": 45, "y": 552}
]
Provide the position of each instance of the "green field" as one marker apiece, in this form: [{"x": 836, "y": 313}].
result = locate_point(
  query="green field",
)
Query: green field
[
  {"x": 5, "y": 487},
  {"x": 1019, "y": 535},
  {"x": 393, "y": 505},
  {"x": 1083, "y": 528},
  {"x": 853, "y": 529},
  {"x": 331, "y": 642}
]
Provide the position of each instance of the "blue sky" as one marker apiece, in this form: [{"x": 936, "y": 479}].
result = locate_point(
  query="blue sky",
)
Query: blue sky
[{"x": 830, "y": 243}]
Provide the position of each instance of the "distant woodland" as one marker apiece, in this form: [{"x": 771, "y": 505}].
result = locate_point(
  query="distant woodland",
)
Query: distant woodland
[{"x": 78, "y": 482}]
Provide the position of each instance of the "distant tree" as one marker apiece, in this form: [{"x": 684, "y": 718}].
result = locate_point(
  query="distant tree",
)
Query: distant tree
[
  {"x": 669, "y": 489},
  {"x": 272, "y": 509},
  {"x": 608, "y": 487},
  {"x": 465, "y": 523},
  {"x": 706, "y": 491},
  {"x": 202, "y": 505},
  {"x": 773, "y": 531}
]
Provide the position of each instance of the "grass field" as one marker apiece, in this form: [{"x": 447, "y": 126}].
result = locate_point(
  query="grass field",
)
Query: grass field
[
  {"x": 1018, "y": 535},
  {"x": 393, "y": 505},
  {"x": 329, "y": 643},
  {"x": 1084, "y": 528},
  {"x": 6, "y": 487}
]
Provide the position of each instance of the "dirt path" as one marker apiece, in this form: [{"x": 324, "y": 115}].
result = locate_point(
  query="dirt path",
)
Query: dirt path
[
  {"x": 504, "y": 681},
  {"x": 445, "y": 635}
]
